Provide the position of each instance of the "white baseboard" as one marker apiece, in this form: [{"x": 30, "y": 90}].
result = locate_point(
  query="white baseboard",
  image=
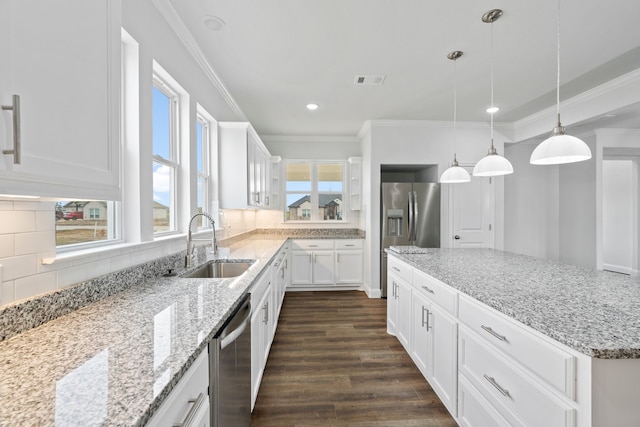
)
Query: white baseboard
[{"x": 619, "y": 269}]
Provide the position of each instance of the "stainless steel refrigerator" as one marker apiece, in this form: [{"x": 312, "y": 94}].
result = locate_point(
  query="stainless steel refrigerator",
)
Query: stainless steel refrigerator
[{"x": 410, "y": 217}]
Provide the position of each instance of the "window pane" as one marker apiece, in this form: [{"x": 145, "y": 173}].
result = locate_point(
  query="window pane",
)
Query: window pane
[
  {"x": 81, "y": 221},
  {"x": 161, "y": 120},
  {"x": 298, "y": 177},
  {"x": 330, "y": 177},
  {"x": 298, "y": 207},
  {"x": 202, "y": 185},
  {"x": 162, "y": 197}
]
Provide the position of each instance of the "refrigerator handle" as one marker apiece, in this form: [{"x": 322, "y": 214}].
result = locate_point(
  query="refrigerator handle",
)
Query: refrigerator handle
[
  {"x": 415, "y": 216},
  {"x": 410, "y": 222}
]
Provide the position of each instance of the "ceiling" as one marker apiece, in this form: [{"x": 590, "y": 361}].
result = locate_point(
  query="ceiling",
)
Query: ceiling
[{"x": 276, "y": 56}]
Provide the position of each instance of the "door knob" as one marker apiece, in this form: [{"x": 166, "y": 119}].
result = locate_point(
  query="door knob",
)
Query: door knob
[{"x": 456, "y": 237}]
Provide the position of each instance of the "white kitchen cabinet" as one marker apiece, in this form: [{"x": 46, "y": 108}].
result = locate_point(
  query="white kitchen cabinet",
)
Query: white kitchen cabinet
[
  {"x": 245, "y": 164},
  {"x": 474, "y": 410},
  {"x": 312, "y": 262},
  {"x": 261, "y": 330},
  {"x": 355, "y": 183},
  {"x": 275, "y": 202},
  {"x": 349, "y": 261},
  {"x": 399, "y": 309},
  {"x": 63, "y": 61},
  {"x": 188, "y": 402}
]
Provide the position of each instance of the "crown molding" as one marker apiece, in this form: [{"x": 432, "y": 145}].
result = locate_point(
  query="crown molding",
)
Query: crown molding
[
  {"x": 311, "y": 139},
  {"x": 169, "y": 13}
]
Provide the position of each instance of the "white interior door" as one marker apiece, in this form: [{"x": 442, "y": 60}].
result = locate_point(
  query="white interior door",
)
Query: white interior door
[
  {"x": 617, "y": 215},
  {"x": 472, "y": 210}
]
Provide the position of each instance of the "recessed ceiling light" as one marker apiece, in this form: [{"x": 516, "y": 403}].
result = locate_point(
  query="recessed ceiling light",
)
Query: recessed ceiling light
[
  {"x": 213, "y": 23},
  {"x": 312, "y": 107},
  {"x": 493, "y": 109}
]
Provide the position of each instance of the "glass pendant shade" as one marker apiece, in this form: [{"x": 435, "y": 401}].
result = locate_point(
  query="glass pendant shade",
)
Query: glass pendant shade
[
  {"x": 560, "y": 148},
  {"x": 455, "y": 174},
  {"x": 492, "y": 165}
]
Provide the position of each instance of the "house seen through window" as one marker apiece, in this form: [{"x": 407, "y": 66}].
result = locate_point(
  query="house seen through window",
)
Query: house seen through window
[{"x": 84, "y": 221}]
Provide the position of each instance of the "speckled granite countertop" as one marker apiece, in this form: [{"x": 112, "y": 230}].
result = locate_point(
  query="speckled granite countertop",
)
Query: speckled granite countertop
[
  {"x": 114, "y": 361},
  {"x": 594, "y": 312}
]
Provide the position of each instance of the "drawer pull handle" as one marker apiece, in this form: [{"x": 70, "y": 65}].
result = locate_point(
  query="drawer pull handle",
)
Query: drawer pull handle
[
  {"x": 428, "y": 290},
  {"x": 349, "y": 245},
  {"x": 312, "y": 246},
  {"x": 493, "y": 382},
  {"x": 494, "y": 333},
  {"x": 396, "y": 269},
  {"x": 195, "y": 405},
  {"x": 425, "y": 323}
]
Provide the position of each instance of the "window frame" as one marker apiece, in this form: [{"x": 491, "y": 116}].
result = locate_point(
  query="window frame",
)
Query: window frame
[
  {"x": 209, "y": 146},
  {"x": 315, "y": 193},
  {"x": 173, "y": 163}
]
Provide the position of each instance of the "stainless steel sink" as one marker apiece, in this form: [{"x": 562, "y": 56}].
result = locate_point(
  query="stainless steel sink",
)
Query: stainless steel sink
[{"x": 220, "y": 270}]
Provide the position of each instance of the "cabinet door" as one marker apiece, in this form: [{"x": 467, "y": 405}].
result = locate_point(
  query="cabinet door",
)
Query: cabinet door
[
  {"x": 253, "y": 171},
  {"x": 445, "y": 349},
  {"x": 63, "y": 59},
  {"x": 349, "y": 266},
  {"x": 404, "y": 314},
  {"x": 422, "y": 338},
  {"x": 301, "y": 268},
  {"x": 392, "y": 304},
  {"x": 323, "y": 268}
]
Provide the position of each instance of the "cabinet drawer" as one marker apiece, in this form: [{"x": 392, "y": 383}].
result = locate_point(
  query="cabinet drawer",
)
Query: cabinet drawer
[
  {"x": 436, "y": 291},
  {"x": 188, "y": 396},
  {"x": 312, "y": 244},
  {"x": 474, "y": 410},
  {"x": 349, "y": 243},
  {"x": 518, "y": 397},
  {"x": 547, "y": 361},
  {"x": 399, "y": 268}
]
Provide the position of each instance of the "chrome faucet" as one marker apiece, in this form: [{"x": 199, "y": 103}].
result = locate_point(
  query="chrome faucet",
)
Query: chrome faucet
[{"x": 214, "y": 244}]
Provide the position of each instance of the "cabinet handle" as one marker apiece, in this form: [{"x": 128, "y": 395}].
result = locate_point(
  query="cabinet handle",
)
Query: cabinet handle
[
  {"x": 428, "y": 290},
  {"x": 425, "y": 322},
  {"x": 15, "y": 107},
  {"x": 282, "y": 273},
  {"x": 310, "y": 260},
  {"x": 338, "y": 256},
  {"x": 349, "y": 245},
  {"x": 494, "y": 333},
  {"x": 397, "y": 290},
  {"x": 493, "y": 382},
  {"x": 195, "y": 405},
  {"x": 312, "y": 246},
  {"x": 265, "y": 307},
  {"x": 395, "y": 269},
  {"x": 286, "y": 263},
  {"x": 315, "y": 258}
]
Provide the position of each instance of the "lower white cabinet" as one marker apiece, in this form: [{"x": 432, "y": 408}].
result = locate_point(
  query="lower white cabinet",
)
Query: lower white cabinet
[
  {"x": 188, "y": 403},
  {"x": 434, "y": 347},
  {"x": 261, "y": 331},
  {"x": 474, "y": 410},
  {"x": 326, "y": 263}
]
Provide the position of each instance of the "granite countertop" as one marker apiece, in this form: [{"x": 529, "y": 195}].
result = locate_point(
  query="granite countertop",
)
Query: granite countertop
[
  {"x": 594, "y": 312},
  {"x": 114, "y": 361}
]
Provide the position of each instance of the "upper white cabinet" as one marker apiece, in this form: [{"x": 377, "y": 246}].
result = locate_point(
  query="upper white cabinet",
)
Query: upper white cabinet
[
  {"x": 355, "y": 183},
  {"x": 62, "y": 59},
  {"x": 245, "y": 165}
]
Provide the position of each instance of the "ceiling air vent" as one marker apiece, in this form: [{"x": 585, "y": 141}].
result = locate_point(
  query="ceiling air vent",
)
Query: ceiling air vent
[{"x": 369, "y": 80}]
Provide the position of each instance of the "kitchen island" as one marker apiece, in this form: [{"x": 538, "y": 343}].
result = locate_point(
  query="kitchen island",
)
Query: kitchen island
[
  {"x": 114, "y": 361},
  {"x": 532, "y": 338}
]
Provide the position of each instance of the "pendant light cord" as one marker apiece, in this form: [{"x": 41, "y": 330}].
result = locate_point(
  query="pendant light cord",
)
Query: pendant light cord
[
  {"x": 558, "y": 61},
  {"x": 492, "y": 84},
  {"x": 455, "y": 110}
]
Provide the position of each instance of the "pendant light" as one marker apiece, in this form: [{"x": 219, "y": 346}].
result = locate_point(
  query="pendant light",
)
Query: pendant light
[
  {"x": 493, "y": 164},
  {"x": 455, "y": 174},
  {"x": 560, "y": 148}
]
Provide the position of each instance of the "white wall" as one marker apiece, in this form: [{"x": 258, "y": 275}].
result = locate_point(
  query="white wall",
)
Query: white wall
[
  {"x": 531, "y": 205},
  {"x": 617, "y": 215},
  {"x": 316, "y": 148},
  {"x": 418, "y": 143}
]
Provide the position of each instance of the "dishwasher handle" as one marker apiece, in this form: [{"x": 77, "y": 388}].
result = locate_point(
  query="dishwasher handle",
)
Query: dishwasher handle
[{"x": 227, "y": 338}]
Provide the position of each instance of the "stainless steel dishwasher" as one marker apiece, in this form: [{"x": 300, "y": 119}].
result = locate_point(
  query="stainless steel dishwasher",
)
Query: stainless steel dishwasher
[{"x": 230, "y": 370}]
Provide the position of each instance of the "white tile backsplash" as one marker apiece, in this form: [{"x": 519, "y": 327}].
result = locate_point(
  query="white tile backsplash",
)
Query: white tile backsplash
[
  {"x": 17, "y": 221},
  {"x": 28, "y": 243},
  {"x": 7, "y": 247},
  {"x": 34, "y": 285},
  {"x": 19, "y": 266}
]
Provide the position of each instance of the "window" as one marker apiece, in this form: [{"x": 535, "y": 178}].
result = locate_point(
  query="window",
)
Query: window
[
  {"x": 164, "y": 137},
  {"x": 82, "y": 222},
  {"x": 314, "y": 191},
  {"x": 204, "y": 125}
]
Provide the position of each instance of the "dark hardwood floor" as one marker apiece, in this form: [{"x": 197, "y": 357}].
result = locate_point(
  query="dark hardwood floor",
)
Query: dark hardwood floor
[{"x": 333, "y": 364}]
